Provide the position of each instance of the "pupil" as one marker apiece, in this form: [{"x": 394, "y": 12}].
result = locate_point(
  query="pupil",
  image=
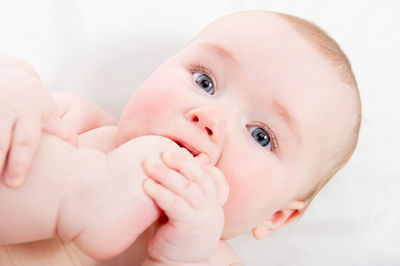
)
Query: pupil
[
  {"x": 261, "y": 136},
  {"x": 205, "y": 83}
]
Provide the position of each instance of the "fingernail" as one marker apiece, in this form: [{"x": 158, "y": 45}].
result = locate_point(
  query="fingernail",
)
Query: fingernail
[
  {"x": 148, "y": 184},
  {"x": 150, "y": 165},
  {"x": 14, "y": 181},
  {"x": 170, "y": 157}
]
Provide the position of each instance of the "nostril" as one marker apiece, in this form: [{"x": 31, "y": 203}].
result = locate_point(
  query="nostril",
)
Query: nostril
[{"x": 195, "y": 118}]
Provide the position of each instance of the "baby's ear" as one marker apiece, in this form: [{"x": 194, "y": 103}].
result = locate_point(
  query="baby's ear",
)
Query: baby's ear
[{"x": 279, "y": 219}]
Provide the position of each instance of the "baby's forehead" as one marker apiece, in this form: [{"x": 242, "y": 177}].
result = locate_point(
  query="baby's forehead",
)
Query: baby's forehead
[
  {"x": 250, "y": 28},
  {"x": 265, "y": 44},
  {"x": 260, "y": 39}
]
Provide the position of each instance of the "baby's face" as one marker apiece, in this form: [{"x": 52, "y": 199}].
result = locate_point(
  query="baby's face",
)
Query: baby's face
[{"x": 255, "y": 97}]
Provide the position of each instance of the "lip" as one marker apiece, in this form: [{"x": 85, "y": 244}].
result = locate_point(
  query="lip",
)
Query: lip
[{"x": 186, "y": 145}]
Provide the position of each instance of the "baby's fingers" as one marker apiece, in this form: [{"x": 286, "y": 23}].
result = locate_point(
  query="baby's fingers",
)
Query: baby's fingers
[
  {"x": 187, "y": 166},
  {"x": 25, "y": 140},
  {"x": 6, "y": 126},
  {"x": 173, "y": 206},
  {"x": 192, "y": 170},
  {"x": 175, "y": 182},
  {"x": 222, "y": 186}
]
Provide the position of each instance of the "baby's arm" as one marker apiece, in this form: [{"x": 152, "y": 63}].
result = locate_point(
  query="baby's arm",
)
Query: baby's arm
[
  {"x": 83, "y": 195},
  {"x": 26, "y": 108},
  {"x": 30, "y": 212}
]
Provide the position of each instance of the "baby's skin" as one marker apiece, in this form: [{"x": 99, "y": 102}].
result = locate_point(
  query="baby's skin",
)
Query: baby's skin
[
  {"x": 91, "y": 195},
  {"x": 261, "y": 103}
]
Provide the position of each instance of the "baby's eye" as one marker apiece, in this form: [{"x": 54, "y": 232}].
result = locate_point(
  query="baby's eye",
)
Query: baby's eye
[
  {"x": 260, "y": 136},
  {"x": 204, "y": 82}
]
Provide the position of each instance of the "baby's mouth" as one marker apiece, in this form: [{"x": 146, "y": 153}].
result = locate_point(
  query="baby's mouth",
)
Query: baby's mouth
[{"x": 191, "y": 149}]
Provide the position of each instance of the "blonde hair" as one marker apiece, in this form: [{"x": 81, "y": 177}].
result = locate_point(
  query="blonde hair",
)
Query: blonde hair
[{"x": 329, "y": 48}]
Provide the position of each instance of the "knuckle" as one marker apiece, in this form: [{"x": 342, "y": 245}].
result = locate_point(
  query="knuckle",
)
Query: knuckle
[
  {"x": 23, "y": 142},
  {"x": 26, "y": 140}
]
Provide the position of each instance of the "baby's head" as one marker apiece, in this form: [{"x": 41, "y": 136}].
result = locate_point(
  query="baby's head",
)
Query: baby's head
[{"x": 273, "y": 102}]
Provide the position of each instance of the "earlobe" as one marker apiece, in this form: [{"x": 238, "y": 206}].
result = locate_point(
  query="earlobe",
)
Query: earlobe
[
  {"x": 278, "y": 219},
  {"x": 263, "y": 230}
]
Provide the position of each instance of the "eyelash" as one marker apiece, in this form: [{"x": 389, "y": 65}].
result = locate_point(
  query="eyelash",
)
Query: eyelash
[
  {"x": 205, "y": 70},
  {"x": 271, "y": 134}
]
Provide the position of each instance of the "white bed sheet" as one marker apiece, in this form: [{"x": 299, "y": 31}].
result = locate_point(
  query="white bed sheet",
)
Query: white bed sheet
[{"x": 103, "y": 50}]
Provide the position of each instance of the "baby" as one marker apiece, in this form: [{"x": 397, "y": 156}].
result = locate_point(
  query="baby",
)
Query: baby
[{"x": 265, "y": 108}]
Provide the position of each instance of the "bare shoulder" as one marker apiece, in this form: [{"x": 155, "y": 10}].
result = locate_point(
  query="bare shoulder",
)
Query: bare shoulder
[
  {"x": 225, "y": 255},
  {"x": 74, "y": 107},
  {"x": 95, "y": 127},
  {"x": 102, "y": 139}
]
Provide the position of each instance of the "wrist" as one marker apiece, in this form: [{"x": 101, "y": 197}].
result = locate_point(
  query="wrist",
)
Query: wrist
[{"x": 151, "y": 262}]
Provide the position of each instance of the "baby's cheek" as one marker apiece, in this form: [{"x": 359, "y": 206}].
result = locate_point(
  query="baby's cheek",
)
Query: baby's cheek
[
  {"x": 152, "y": 99},
  {"x": 242, "y": 201},
  {"x": 257, "y": 186},
  {"x": 242, "y": 182}
]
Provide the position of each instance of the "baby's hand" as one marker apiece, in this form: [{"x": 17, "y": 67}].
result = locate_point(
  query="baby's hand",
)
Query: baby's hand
[
  {"x": 20, "y": 137},
  {"x": 191, "y": 193},
  {"x": 26, "y": 111}
]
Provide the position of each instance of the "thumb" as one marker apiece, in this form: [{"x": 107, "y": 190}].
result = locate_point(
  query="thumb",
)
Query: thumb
[{"x": 60, "y": 128}]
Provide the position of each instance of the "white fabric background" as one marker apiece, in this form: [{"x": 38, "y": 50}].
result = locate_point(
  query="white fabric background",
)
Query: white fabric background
[{"x": 103, "y": 50}]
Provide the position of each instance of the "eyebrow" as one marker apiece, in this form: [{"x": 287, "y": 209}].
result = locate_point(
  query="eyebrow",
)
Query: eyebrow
[
  {"x": 221, "y": 52},
  {"x": 290, "y": 120}
]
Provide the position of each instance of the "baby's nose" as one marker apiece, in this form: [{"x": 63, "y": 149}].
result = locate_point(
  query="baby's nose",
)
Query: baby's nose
[{"x": 211, "y": 119}]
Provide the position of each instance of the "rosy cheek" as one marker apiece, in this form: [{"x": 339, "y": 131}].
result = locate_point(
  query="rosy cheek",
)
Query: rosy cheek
[
  {"x": 153, "y": 98},
  {"x": 252, "y": 183},
  {"x": 239, "y": 181}
]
